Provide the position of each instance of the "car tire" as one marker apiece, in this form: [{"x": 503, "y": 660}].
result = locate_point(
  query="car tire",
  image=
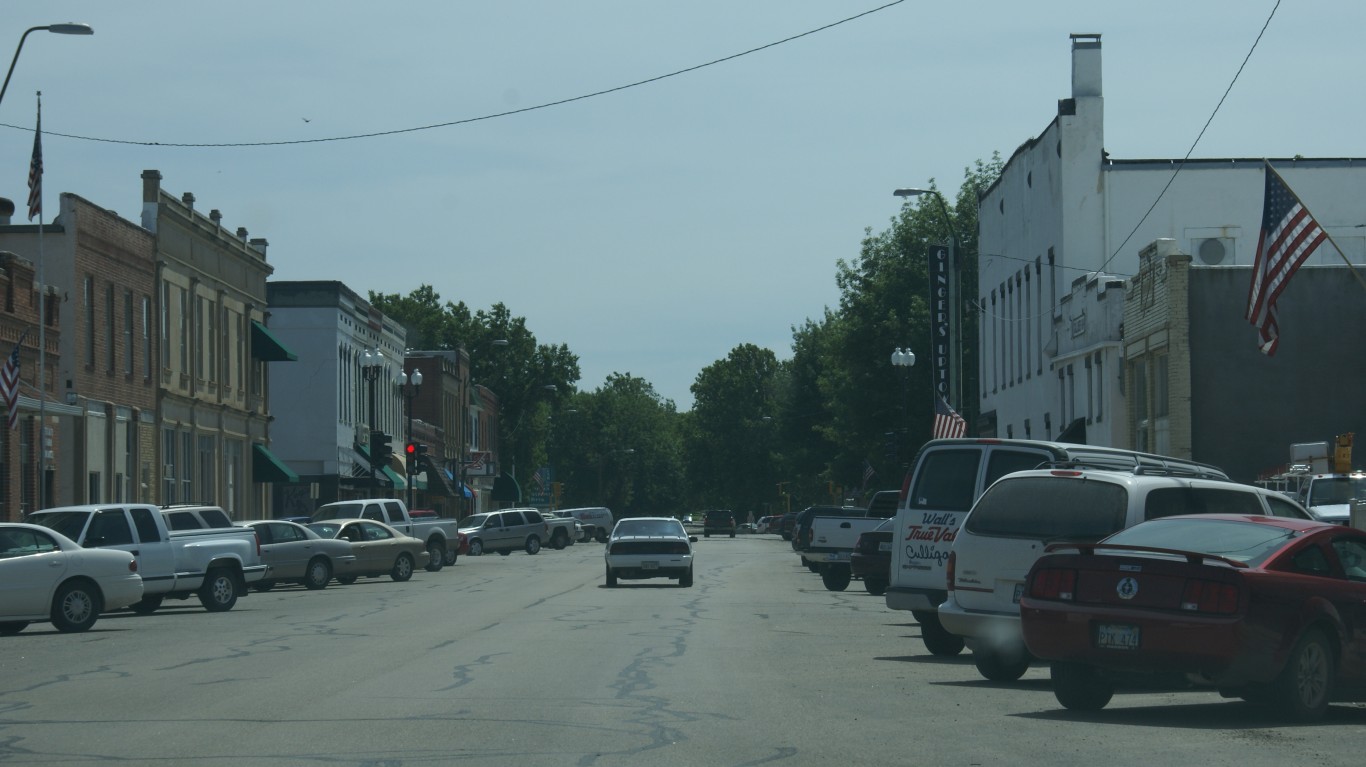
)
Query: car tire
[
  {"x": 611, "y": 578},
  {"x": 219, "y": 592},
  {"x": 732, "y": 533},
  {"x": 75, "y": 606},
  {"x": 346, "y": 580},
  {"x": 533, "y": 545},
  {"x": 147, "y": 605},
  {"x": 1001, "y": 665},
  {"x": 451, "y": 556},
  {"x": 685, "y": 580},
  {"x": 875, "y": 586},
  {"x": 436, "y": 556},
  {"x": 9, "y": 628},
  {"x": 836, "y": 577},
  {"x": 812, "y": 566},
  {"x": 476, "y": 547},
  {"x": 403, "y": 567},
  {"x": 1079, "y": 687},
  {"x": 318, "y": 573},
  {"x": 937, "y": 639},
  {"x": 263, "y": 585},
  {"x": 601, "y": 536},
  {"x": 1305, "y": 685},
  {"x": 559, "y": 540}
]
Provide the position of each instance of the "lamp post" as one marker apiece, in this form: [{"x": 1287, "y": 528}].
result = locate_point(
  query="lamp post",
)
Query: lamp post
[
  {"x": 408, "y": 384},
  {"x": 955, "y": 388},
  {"x": 904, "y": 360},
  {"x": 374, "y": 363},
  {"x": 70, "y": 28}
]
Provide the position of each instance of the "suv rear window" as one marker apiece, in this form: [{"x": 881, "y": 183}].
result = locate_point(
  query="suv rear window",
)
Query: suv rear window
[
  {"x": 946, "y": 481},
  {"x": 1049, "y": 508},
  {"x": 1170, "y": 501}
]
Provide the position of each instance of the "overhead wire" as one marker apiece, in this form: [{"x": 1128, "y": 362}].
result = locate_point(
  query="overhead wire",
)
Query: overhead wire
[{"x": 467, "y": 120}]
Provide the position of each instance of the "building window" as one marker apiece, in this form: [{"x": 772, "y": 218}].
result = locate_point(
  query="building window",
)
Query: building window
[
  {"x": 165, "y": 326},
  {"x": 187, "y": 463},
  {"x": 1142, "y": 425},
  {"x": 1100, "y": 387},
  {"x": 111, "y": 332},
  {"x": 146, "y": 337},
  {"x": 232, "y": 475},
  {"x": 1161, "y": 408},
  {"x": 1090, "y": 392},
  {"x": 128, "y": 332},
  {"x": 88, "y": 298},
  {"x": 184, "y": 325},
  {"x": 168, "y": 471},
  {"x": 207, "y": 470}
]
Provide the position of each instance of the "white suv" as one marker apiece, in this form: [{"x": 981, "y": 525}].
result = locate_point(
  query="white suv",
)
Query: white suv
[{"x": 1013, "y": 522}]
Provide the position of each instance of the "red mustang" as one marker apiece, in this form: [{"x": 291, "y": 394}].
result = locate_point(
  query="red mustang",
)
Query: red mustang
[{"x": 1269, "y": 609}]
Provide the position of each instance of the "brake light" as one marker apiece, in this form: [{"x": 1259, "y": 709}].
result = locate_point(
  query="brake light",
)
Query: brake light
[
  {"x": 257, "y": 534},
  {"x": 1054, "y": 583},
  {"x": 132, "y": 565},
  {"x": 950, "y": 568},
  {"x": 858, "y": 544},
  {"x": 1203, "y": 596},
  {"x": 1065, "y": 473}
]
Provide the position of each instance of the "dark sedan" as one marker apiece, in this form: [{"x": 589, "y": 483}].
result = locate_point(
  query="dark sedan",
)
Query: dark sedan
[
  {"x": 871, "y": 559},
  {"x": 1269, "y": 609}
]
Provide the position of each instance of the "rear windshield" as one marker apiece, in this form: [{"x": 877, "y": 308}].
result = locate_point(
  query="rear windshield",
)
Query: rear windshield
[
  {"x": 1049, "y": 508},
  {"x": 340, "y": 511},
  {"x": 649, "y": 527},
  {"x": 1171, "y": 501},
  {"x": 946, "y": 480},
  {"x": 1241, "y": 541}
]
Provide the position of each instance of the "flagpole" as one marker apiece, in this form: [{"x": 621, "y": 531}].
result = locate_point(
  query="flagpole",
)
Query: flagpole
[
  {"x": 1326, "y": 235},
  {"x": 41, "y": 450}
]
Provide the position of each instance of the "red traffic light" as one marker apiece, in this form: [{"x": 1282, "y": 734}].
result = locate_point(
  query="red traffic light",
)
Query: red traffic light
[{"x": 410, "y": 449}]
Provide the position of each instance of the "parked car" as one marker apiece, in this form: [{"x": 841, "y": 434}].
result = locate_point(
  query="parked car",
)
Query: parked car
[
  {"x": 597, "y": 521},
  {"x": 434, "y": 531},
  {"x": 46, "y": 576},
  {"x": 763, "y": 524},
  {"x": 719, "y": 521},
  {"x": 872, "y": 558},
  {"x": 379, "y": 548},
  {"x": 297, "y": 554},
  {"x": 1009, "y": 526},
  {"x": 505, "y": 531},
  {"x": 786, "y": 524},
  {"x": 649, "y": 547},
  {"x": 1268, "y": 609}
]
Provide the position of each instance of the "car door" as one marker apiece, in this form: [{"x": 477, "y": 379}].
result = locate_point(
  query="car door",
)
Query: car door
[
  {"x": 156, "y": 560},
  {"x": 31, "y": 566},
  {"x": 367, "y": 553},
  {"x": 512, "y": 532},
  {"x": 281, "y": 548},
  {"x": 382, "y": 545},
  {"x": 1350, "y": 549}
]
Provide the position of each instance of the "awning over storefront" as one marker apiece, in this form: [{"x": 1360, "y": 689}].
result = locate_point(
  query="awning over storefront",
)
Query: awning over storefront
[
  {"x": 464, "y": 489},
  {"x": 265, "y": 467},
  {"x": 506, "y": 490},
  {"x": 394, "y": 478},
  {"x": 265, "y": 346},
  {"x": 387, "y": 476},
  {"x": 437, "y": 482}
]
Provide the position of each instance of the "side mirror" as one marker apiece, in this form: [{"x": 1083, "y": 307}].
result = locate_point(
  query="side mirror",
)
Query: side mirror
[{"x": 692, "y": 539}]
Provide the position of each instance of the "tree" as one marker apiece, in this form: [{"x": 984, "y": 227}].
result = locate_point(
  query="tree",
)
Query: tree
[{"x": 731, "y": 440}]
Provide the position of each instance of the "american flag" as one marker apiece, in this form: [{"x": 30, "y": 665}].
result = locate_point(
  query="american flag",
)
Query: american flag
[
  {"x": 868, "y": 472},
  {"x": 9, "y": 383},
  {"x": 947, "y": 422},
  {"x": 35, "y": 172},
  {"x": 1289, "y": 235}
]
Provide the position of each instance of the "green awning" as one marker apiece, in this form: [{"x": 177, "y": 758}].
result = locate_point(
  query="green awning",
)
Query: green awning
[
  {"x": 265, "y": 346},
  {"x": 265, "y": 467},
  {"x": 506, "y": 489},
  {"x": 394, "y": 477}
]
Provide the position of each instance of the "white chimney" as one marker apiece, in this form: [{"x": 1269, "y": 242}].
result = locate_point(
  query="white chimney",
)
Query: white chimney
[{"x": 1085, "y": 65}]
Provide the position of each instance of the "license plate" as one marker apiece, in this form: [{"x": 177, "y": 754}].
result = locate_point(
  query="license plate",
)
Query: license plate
[
  {"x": 649, "y": 565},
  {"x": 1111, "y": 636},
  {"x": 836, "y": 556},
  {"x": 884, "y": 546},
  {"x": 1019, "y": 590}
]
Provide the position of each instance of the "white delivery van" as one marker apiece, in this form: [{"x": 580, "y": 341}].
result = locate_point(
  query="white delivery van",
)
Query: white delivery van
[{"x": 600, "y": 517}]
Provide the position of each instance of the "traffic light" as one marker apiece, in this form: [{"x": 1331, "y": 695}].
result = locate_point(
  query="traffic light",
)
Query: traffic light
[
  {"x": 421, "y": 451},
  {"x": 381, "y": 450},
  {"x": 410, "y": 454}
]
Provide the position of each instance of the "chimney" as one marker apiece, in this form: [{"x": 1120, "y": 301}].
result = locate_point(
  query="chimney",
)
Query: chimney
[
  {"x": 6, "y": 211},
  {"x": 1085, "y": 65},
  {"x": 151, "y": 192},
  {"x": 242, "y": 233},
  {"x": 216, "y": 217},
  {"x": 188, "y": 199},
  {"x": 259, "y": 244}
]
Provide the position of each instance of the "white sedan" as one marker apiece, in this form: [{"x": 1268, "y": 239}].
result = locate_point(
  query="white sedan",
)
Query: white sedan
[
  {"x": 45, "y": 576},
  {"x": 649, "y": 547}
]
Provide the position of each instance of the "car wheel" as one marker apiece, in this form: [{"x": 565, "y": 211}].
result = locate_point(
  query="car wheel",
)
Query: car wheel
[
  {"x": 263, "y": 585},
  {"x": 875, "y": 586},
  {"x": 1001, "y": 665},
  {"x": 403, "y": 567},
  {"x": 836, "y": 577},
  {"x": 12, "y": 627},
  {"x": 611, "y": 578},
  {"x": 732, "y": 533},
  {"x": 76, "y": 606},
  {"x": 219, "y": 592},
  {"x": 937, "y": 639},
  {"x": 451, "y": 556},
  {"x": 318, "y": 573},
  {"x": 686, "y": 580},
  {"x": 559, "y": 540},
  {"x": 476, "y": 547},
  {"x": 346, "y": 580},
  {"x": 147, "y": 605},
  {"x": 812, "y": 566},
  {"x": 601, "y": 536},
  {"x": 1079, "y": 687},
  {"x": 436, "y": 556},
  {"x": 533, "y": 545},
  {"x": 1304, "y": 686}
]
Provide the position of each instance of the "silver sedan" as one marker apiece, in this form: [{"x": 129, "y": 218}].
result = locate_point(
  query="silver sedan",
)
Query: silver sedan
[{"x": 299, "y": 555}]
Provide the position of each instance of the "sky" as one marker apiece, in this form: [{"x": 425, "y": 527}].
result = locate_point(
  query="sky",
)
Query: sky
[{"x": 653, "y": 228}]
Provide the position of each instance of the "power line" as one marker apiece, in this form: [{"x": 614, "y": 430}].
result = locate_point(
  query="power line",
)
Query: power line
[{"x": 468, "y": 120}]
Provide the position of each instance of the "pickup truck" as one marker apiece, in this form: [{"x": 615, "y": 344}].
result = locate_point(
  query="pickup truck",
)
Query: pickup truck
[
  {"x": 832, "y": 542},
  {"x": 214, "y": 564},
  {"x": 440, "y": 535},
  {"x": 564, "y": 529}
]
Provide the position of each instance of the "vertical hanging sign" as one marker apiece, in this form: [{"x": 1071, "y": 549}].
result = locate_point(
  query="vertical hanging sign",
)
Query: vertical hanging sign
[{"x": 940, "y": 315}]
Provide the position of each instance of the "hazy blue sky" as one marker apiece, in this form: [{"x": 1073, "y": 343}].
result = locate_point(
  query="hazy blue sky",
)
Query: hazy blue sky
[{"x": 655, "y": 228}]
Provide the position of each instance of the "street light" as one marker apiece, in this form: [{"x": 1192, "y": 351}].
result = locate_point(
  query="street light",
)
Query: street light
[
  {"x": 408, "y": 384},
  {"x": 70, "y": 28},
  {"x": 374, "y": 363},
  {"x": 956, "y": 309},
  {"x": 904, "y": 360}
]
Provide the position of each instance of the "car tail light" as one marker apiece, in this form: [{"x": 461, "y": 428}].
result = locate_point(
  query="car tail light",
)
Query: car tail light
[
  {"x": 1203, "y": 596},
  {"x": 1054, "y": 583},
  {"x": 678, "y": 548},
  {"x": 257, "y": 534},
  {"x": 950, "y": 568},
  {"x": 858, "y": 544},
  {"x": 132, "y": 565}
]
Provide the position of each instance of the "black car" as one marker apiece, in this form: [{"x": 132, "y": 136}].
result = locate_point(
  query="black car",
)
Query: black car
[
  {"x": 787, "y": 524},
  {"x": 718, "y": 521}
]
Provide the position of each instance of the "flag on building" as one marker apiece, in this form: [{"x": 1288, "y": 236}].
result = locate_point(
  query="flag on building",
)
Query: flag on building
[
  {"x": 868, "y": 473},
  {"x": 9, "y": 383},
  {"x": 947, "y": 422},
  {"x": 35, "y": 171},
  {"x": 1289, "y": 235}
]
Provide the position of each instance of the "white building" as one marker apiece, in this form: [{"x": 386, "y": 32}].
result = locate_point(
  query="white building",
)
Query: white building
[{"x": 1065, "y": 220}]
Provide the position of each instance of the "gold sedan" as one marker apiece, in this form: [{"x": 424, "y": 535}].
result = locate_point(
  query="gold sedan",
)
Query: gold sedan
[{"x": 379, "y": 548}]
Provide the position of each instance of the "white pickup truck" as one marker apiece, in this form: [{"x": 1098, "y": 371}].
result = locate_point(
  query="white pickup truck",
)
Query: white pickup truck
[
  {"x": 832, "y": 542},
  {"x": 439, "y": 534},
  {"x": 215, "y": 564}
]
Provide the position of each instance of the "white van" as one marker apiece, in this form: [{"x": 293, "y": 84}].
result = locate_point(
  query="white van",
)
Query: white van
[
  {"x": 1020, "y": 515},
  {"x": 599, "y": 517},
  {"x": 946, "y": 477}
]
